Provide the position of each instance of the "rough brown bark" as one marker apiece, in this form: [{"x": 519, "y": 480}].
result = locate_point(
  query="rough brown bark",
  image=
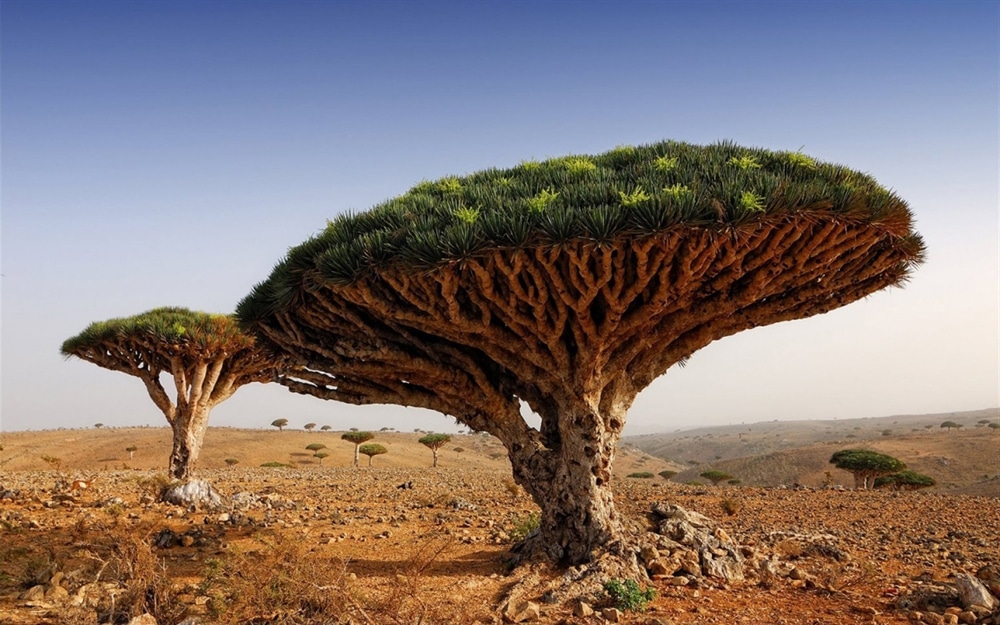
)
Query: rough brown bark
[{"x": 575, "y": 331}]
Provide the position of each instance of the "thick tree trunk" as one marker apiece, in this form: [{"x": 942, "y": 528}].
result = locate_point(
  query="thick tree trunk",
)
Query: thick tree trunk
[
  {"x": 435, "y": 451},
  {"x": 571, "y": 483},
  {"x": 357, "y": 454},
  {"x": 189, "y": 433}
]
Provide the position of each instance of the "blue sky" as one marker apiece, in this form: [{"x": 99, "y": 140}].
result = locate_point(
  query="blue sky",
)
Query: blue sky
[{"x": 169, "y": 153}]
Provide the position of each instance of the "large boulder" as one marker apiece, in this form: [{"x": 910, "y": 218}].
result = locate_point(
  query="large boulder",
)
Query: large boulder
[
  {"x": 972, "y": 592},
  {"x": 717, "y": 555},
  {"x": 193, "y": 493}
]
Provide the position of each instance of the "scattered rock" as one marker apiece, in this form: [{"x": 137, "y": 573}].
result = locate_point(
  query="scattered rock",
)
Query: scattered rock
[
  {"x": 710, "y": 555},
  {"x": 521, "y": 612},
  {"x": 612, "y": 615},
  {"x": 972, "y": 592},
  {"x": 582, "y": 610},
  {"x": 143, "y": 619}
]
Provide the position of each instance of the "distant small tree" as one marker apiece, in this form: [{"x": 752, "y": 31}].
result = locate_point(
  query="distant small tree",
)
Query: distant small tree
[
  {"x": 886, "y": 432},
  {"x": 904, "y": 480},
  {"x": 948, "y": 425},
  {"x": 315, "y": 446},
  {"x": 983, "y": 422},
  {"x": 232, "y": 462},
  {"x": 326, "y": 428},
  {"x": 715, "y": 476},
  {"x": 865, "y": 465},
  {"x": 280, "y": 424},
  {"x": 667, "y": 474},
  {"x": 309, "y": 426},
  {"x": 208, "y": 356},
  {"x": 356, "y": 437},
  {"x": 98, "y": 425},
  {"x": 994, "y": 426},
  {"x": 321, "y": 455},
  {"x": 928, "y": 426},
  {"x": 131, "y": 449},
  {"x": 371, "y": 450},
  {"x": 435, "y": 442}
]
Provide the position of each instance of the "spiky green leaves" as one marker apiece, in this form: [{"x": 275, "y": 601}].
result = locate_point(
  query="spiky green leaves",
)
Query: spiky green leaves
[
  {"x": 866, "y": 461},
  {"x": 171, "y": 330},
  {"x": 434, "y": 441},
  {"x": 628, "y": 191}
]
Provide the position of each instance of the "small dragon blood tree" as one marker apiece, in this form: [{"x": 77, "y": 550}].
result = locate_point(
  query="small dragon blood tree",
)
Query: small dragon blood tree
[
  {"x": 208, "y": 356},
  {"x": 570, "y": 285}
]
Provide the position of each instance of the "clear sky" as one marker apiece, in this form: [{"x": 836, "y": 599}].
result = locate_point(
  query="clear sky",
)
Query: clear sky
[{"x": 169, "y": 153}]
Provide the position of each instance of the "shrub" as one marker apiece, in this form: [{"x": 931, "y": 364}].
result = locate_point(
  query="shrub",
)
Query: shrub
[
  {"x": 667, "y": 474},
  {"x": 645, "y": 475},
  {"x": 275, "y": 465},
  {"x": 279, "y": 578},
  {"x": 232, "y": 462},
  {"x": 524, "y": 526},
  {"x": 730, "y": 506},
  {"x": 715, "y": 476},
  {"x": 627, "y": 596}
]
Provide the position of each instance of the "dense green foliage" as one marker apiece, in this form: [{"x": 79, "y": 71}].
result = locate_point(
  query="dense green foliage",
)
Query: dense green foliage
[
  {"x": 667, "y": 474},
  {"x": 865, "y": 461},
  {"x": 280, "y": 424},
  {"x": 357, "y": 437},
  {"x": 315, "y": 446},
  {"x": 715, "y": 476},
  {"x": 948, "y": 425},
  {"x": 643, "y": 475},
  {"x": 627, "y": 596},
  {"x": 627, "y": 191},
  {"x": 905, "y": 480},
  {"x": 170, "y": 329},
  {"x": 372, "y": 449},
  {"x": 434, "y": 441}
]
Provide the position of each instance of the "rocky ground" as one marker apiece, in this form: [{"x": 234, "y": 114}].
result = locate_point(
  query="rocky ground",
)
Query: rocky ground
[{"x": 393, "y": 545}]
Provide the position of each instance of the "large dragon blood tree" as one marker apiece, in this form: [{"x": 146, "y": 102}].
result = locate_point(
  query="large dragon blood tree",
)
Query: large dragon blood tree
[
  {"x": 570, "y": 285},
  {"x": 208, "y": 356}
]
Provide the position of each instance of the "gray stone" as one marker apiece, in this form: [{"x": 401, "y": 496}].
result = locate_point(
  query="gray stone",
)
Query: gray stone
[
  {"x": 972, "y": 592},
  {"x": 197, "y": 493},
  {"x": 709, "y": 552}
]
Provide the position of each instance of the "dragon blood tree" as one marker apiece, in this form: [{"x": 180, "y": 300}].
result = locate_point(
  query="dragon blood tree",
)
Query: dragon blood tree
[
  {"x": 208, "y": 356},
  {"x": 570, "y": 285}
]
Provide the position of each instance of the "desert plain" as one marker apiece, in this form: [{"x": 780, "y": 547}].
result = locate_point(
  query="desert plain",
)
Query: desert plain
[{"x": 320, "y": 541}]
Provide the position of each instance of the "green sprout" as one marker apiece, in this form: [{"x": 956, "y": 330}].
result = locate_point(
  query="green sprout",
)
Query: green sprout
[
  {"x": 751, "y": 201},
  {"x": 579, "y": 165},
  {"x": 745, "y": 162},
  {"x": 542, "y": 201},
  {"x": 634, "y": 198},
  {"x": 665, "y": 164},
  {"x": 466, "y": 214},
  {"x": 801, "y": 160},
  {"x": 677, "y": 191},
  {"x": 449, "y": 186}
]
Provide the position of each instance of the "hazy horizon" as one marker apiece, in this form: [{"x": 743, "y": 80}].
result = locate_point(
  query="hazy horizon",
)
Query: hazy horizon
[{"x": 161, "y": 154}]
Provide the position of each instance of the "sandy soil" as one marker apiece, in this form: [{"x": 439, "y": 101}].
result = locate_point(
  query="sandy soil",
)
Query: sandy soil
[{"x": 436, "y": 552}]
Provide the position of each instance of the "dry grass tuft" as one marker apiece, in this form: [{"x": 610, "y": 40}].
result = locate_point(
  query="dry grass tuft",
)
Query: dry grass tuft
[{"x": 276, "y": 582}]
